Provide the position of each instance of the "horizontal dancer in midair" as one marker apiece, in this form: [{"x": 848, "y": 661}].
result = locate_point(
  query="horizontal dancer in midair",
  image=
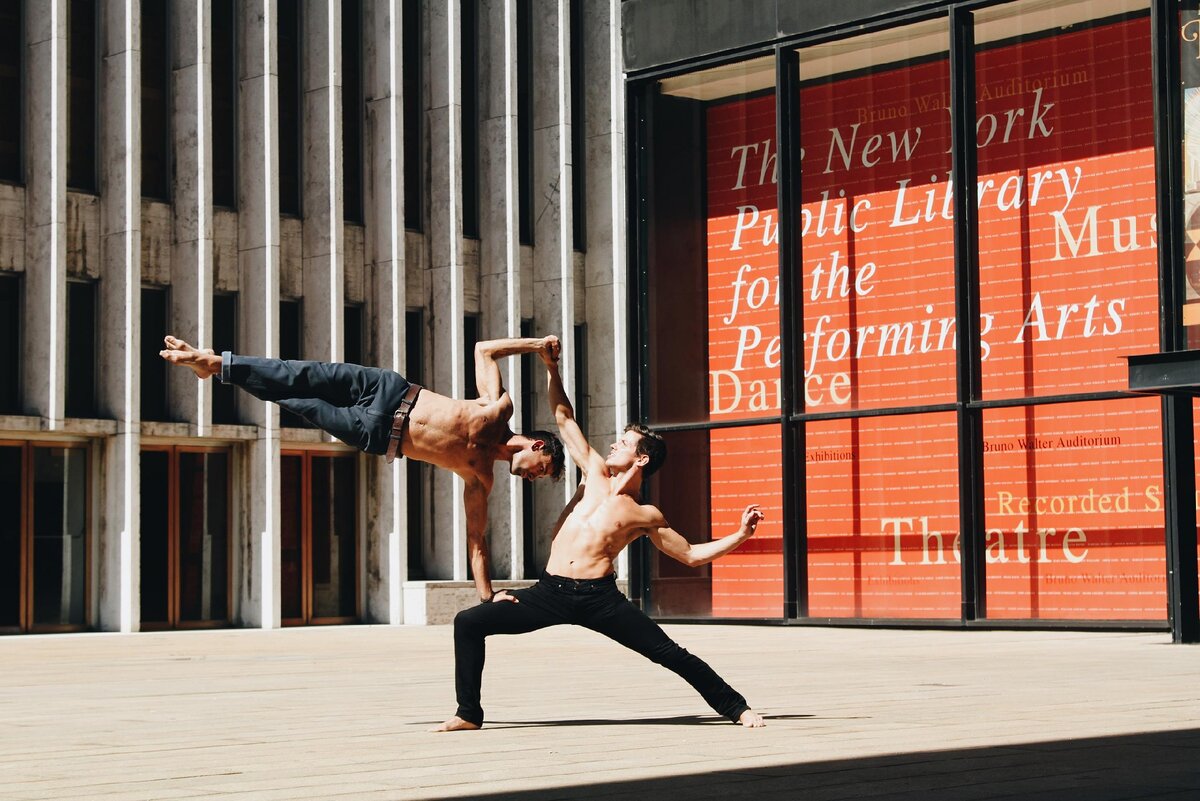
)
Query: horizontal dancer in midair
[{"x": 382, "y": 413}]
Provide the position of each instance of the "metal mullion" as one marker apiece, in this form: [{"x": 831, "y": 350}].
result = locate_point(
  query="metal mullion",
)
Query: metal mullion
[
  {"x": 787, "y": 127},
  {"x": 972, "y": 572},
  {"x": 306, "y": 610},
  {"x": 173, "y": 550},
  {"x": 1179, "y": 458},
  {"x": 888, "y": 411},
  {"x": 25, "y": 618}
]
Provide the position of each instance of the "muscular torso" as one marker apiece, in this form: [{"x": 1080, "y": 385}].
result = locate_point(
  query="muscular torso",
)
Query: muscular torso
[
  {"x": 463, "y": 436},
  {"x": 594, "y": 532}
]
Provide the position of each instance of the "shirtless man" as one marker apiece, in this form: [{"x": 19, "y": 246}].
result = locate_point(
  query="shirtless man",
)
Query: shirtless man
[
  {"x": 380, "y": 412},
  {"x": 579, "y": 585}
]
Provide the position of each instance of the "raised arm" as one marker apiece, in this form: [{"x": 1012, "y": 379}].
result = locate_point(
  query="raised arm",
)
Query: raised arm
[
  {"x": 564, "y": 414},
  {"x": 673, "y": 544},
  {"x": 487, "y": 372}
]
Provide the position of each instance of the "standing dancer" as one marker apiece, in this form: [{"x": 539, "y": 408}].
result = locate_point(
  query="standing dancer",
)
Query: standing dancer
[{"x": 579, "y": 585}]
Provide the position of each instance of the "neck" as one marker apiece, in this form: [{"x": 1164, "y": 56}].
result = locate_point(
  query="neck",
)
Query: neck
[
  {"x": 506, "y": 449},
  {"x": 627, "y": 483}
]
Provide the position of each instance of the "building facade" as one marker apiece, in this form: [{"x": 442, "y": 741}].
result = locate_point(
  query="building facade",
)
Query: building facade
[
  {"x": 928, "y": 387},
  {"x": 375, "y": 181}
]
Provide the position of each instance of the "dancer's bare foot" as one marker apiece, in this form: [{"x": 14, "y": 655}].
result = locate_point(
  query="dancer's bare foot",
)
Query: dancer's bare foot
[
  {"x": 204, "y": 363},
  {"x": 751, "y": 720},
  {"x": 456, "y": 724}
]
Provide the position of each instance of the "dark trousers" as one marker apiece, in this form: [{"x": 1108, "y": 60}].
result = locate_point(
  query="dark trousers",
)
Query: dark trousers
[
  {"x": 348, "y": 401},
  {"x": 596, "y": 604}
]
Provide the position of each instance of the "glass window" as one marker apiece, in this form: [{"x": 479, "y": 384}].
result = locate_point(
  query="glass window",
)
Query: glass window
[
  {"x": 352, "y": 110},
  {"x": 12, "y": 41},
  {"x": 882, "y": 500},
  {"x": 156, "y": 99},
  {"x": 414, "y": 107},
  {"x": 414, "y": 360},
  {"x": 578, "y": 129},
  {"x": 713, "y": 266},
  {"x": 156, "y": 529},
  {"x": 153, "y": 377},
  {"x": 334, "y": 533},
  {"x": 877, "y": 237},
  {"x": 291, "y": 537},
  {"x": 224, "y": 103},
  {"x": 1067, "y": 244},
  {"x": 12, "y": 524},
  {"x": 224, "y": 338},
  {"x": 1074, "y": 511},
  {"x": 81, "y": 98},
  {"x": 525, "y": 121},
  {"x": 471, "y": 335},
  {"x": 706, "y": 483},
  {"x": 59, "y": 529},
  {"x": 291, "y": 339},
  {"x": 290, "y": 106},
  {"x": 203, "y": 536},
  {"x": 469, "y": 64},
  {"x": 81, "y": 349},
  {"x": 10, "y": 344},
  {"x": 352, "y": 325}
]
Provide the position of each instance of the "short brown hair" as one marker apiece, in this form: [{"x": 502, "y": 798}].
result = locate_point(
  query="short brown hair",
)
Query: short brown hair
[
  {"x": 650, "y": 444},
  {"x": 552, "y": 446}
]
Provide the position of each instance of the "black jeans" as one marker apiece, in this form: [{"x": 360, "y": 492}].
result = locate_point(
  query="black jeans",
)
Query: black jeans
[
  {"x": 350, "y": 402},
  {"x": 596, "y": 604}
]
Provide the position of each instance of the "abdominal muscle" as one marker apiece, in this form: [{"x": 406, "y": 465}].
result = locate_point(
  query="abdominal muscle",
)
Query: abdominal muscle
[{"x": 581, "y": 550}]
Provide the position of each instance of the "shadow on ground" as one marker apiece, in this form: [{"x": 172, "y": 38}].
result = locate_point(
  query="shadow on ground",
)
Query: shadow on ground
[{"x": 1163, "y": 766}]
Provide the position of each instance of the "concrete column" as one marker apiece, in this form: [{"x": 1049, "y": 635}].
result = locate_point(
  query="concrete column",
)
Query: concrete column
[
  {"x": 604, "y": 266},
  {"x": 43, "y": 363},
  {"x": 258, "y": 307},
  {"x": 449, "y": 557},
  {"x": 499, "y": 259},
  {"x": 323, "y": 228},
  {"x": 191, "y": 206},
  {"x": 386, "y": 528},
  {"x": 553, "y": 260},
  {"x": 119, "y": 349}
]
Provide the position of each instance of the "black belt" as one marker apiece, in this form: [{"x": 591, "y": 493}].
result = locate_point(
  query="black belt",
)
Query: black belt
[{"x": 400, "y": 421}]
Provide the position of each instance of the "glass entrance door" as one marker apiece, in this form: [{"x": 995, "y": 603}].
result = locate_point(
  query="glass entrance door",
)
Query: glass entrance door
[
  {"x": 185, "y": 537},
  {"x": 43, "y": 537},
  {"x": 318, "y": 541}
]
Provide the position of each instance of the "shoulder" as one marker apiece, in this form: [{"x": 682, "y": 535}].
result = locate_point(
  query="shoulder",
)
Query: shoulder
[{"x": 650, "y": 515}]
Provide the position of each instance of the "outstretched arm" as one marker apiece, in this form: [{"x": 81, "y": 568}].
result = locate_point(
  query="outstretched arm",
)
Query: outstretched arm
[
  {"x": 673, "y": 544},
  {"x": 487, "y": 372},
  {"x": 564, "y": 414}
]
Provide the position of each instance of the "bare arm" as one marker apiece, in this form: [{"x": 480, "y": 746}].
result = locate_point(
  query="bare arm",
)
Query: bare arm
[
  {"x": 564, "y": 414},
  {"x": 673, "y": 544},
  {"x": 487, "y": 372},
  {"x": 475, "y": 498}
]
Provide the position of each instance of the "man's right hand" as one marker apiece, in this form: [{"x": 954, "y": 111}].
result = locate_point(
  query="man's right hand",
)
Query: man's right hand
[{"x": 551, "y": 350}]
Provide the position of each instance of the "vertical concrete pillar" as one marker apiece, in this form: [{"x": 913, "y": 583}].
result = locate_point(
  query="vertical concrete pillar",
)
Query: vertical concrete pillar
[
  {"x": 499, "y": 260},
  {"x": 258, "y": 309},
  {"x": 386, "y": 526},
  {"x": 604, "y": 266},
  {"x": 120, "y": 307},
  {"x": 449, "y": 559},
  {"x": 553, "y": 260},
  {"x": 324, "y": 271},
  {"x": 191, "y": 203},
  {"x": 43, "y": 363}
]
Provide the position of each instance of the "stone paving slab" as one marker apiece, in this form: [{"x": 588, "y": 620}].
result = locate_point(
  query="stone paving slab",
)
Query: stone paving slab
[{"x": 344, "y": 712}]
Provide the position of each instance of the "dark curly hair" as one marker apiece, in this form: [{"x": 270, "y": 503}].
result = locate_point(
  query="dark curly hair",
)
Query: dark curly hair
[
  {"x": 650, "y": 444},
  {"x": 553, "y": 446}
]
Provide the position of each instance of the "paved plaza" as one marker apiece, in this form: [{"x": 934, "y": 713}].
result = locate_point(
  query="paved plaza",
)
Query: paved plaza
[{"x": 344, "y": 712}]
